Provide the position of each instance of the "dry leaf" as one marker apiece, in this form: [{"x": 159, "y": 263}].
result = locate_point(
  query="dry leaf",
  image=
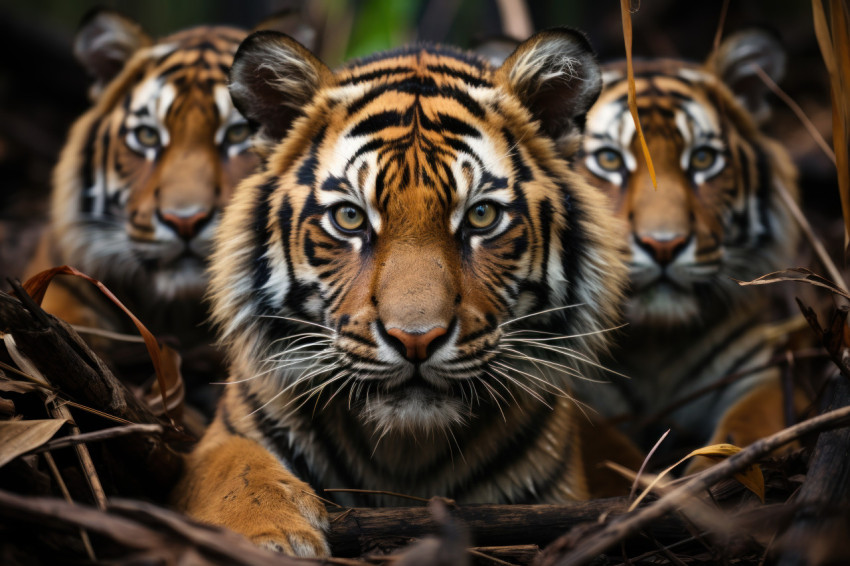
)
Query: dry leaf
[
  {"x": 166, "y": 374},
  {"x": 751, "y": 478},
  {"x": 19, "y": 437}
]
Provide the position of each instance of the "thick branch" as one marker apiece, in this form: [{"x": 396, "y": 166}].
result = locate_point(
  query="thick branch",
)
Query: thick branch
[{"x": 359, "y": 531}]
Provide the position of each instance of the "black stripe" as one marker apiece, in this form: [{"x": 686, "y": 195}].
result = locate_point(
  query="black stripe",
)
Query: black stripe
[
  {"x": 376, "y": 123},
  {"x": 259, "y": 242},
  {"x": 469, "y": 79},
  {"x": 379, "y": 74},
  {"x": 87, "y": 169}
]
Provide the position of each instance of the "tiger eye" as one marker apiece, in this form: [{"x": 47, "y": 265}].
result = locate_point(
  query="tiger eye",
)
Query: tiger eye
[
  {"x": 147, "y": 136},
  {"x": 482, "y": 215},
  {"x": 237, "y": 133},
  {"x": 703, "y": 158},
  {"x": 349, "y": 218},
  {"x": 609, "y": 159}
]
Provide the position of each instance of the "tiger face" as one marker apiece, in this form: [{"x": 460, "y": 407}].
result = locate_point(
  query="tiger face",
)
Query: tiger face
[
  {"x": 715, "y": 214},
  {"x": 146, "y": 171},
  {"x": 415, "y": 216}
]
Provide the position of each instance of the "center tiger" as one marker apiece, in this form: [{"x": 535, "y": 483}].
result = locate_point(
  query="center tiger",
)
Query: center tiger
[{"x": 407, "y": 288}]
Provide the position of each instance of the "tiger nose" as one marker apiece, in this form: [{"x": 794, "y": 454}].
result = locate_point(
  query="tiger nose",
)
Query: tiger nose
[
  {"x": 663, "y": 251},
  {"x": 187, "y": 226},
  {"x": 414, "y": 346}
]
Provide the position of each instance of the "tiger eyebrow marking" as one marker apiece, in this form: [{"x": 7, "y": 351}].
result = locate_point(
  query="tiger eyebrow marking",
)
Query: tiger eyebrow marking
[{"x": 376, "y": 122}]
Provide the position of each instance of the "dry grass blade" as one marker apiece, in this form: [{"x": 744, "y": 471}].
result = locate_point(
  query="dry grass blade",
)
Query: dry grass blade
[
  {"x": 96, "y": 436},
  {"x": 627, "y": 36},
  {"x": 833, "y": 36},
  {"x": 801, "y": 115},
  {"x": 84, "y": 535},
  {"x": 376, "y": 492},
  {"x": 20, "y": 437},
  {"x": 721, "y": 23},
  {"x": 799, "y": 275},
  {"x": 791, "y": 204}
]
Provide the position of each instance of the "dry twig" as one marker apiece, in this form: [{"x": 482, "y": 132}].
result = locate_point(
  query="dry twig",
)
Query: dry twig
[{"x": 619, "y": 529}]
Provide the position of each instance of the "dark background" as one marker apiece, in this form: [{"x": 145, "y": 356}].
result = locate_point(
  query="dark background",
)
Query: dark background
[{"x": 42, "y": 88}]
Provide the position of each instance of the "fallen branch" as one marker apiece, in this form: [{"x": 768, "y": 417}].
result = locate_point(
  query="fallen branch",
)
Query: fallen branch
[
  {"x": 621, "y": 528},
  {"x": 360, "y": 531}
]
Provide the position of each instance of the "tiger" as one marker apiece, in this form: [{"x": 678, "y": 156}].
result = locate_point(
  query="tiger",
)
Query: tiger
[
  {"x": 142, "y": 178},
  {"x": 716, "y": 216},
  {"x": 406, "y": 288}
]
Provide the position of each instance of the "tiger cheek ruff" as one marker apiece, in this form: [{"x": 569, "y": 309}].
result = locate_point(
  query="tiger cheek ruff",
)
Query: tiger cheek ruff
[{"x": 407, "y": 288}]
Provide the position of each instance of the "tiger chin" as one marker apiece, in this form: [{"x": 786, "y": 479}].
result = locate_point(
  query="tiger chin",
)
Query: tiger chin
[
  {"x": 407, "y": 289},
  {"x": 716, "y": 216}
]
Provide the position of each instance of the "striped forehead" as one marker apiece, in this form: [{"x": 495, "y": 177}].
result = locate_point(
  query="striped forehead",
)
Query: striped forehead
[
  {"x": 196, "y": 69},
  {"x": 418, "y": 132},
  {"x": 668, "y": 104}
]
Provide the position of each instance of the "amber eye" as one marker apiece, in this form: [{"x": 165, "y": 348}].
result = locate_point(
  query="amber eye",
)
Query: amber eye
[
  {"x": 237, "y": 133},
  {"x": 609, "y": 159},
  {"x": 147, "y": 136},
  {"x": 703, "y": 158},
  {"x": 482, "y": 215},
  {"x": 348, "y": 218}
]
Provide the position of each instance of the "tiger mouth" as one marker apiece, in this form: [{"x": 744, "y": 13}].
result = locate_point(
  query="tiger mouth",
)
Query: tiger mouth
[{"x": 417, "y": 382}]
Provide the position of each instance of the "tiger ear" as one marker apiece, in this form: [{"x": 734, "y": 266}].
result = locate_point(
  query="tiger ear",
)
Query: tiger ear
[
  {"x": 555, "y": 75},
  {"x": 272, "y": 79},
  {"x": 292, "y": 23},
  {"x": 104, "y": 43},
  {"x": 736, "y": 62}
]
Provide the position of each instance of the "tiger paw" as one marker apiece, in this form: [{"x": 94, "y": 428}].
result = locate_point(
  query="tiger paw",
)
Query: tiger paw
[
  {"x": 239, "y": 485},
  {"x": 285, "y": 518}
]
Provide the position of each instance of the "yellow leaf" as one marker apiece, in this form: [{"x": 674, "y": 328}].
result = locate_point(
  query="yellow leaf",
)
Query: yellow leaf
[
  {"x": 717, "y": 451},
  {"x": 751, "y": 478}
]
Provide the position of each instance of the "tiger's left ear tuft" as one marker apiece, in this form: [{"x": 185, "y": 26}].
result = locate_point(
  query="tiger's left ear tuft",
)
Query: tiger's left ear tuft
[
  {"x": 736, "y": 60},
  {"x": 555, "y": 75},
  {"x": 104, "y": 43}
]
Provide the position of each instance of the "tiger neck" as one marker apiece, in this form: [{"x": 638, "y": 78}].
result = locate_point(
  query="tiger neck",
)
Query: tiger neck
[{"x": 479, "y": 461}]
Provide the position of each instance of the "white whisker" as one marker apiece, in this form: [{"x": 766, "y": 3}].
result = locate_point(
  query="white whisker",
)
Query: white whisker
[{"x": 538, "y": 313}]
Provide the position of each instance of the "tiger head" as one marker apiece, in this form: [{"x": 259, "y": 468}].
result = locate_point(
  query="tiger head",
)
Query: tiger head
[
  {"x": 416, "y": 213},
  {"x": 716, "y": 213},
  {"x": 145, "y": 172}
]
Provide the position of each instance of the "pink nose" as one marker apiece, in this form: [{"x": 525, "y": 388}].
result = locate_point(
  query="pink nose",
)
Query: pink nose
[
  {"x": 664, "y": 251},
  {"x": 416, "y": 345},
  {"x": 187, "y": 227}
]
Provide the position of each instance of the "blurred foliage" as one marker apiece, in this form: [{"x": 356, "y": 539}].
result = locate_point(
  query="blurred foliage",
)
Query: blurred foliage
[{"x": 380, "y": 25}]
